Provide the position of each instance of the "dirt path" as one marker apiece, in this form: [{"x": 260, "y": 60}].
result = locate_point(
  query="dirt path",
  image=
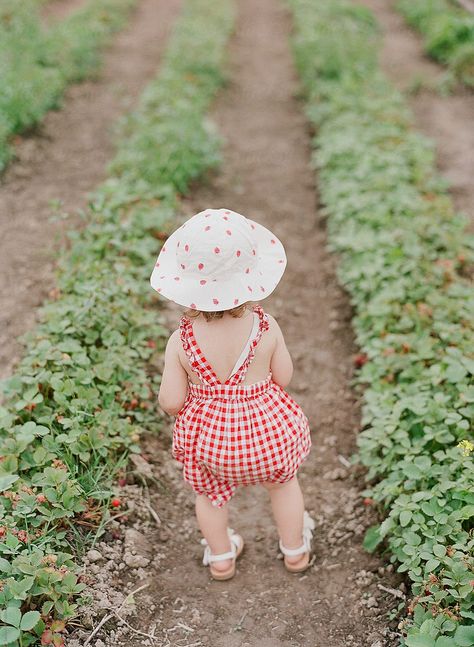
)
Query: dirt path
[
  {"x": 266, "y": 175},
  {"x": 65, "y": 159},
  {"x": 447, "y": 120}
]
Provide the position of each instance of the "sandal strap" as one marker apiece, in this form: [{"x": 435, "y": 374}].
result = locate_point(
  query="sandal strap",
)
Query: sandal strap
[
  {"x": 294, "y": 551},
  {"x": 308, "y": 527},
  {"x": 209, "y": 558},
  {"x": 219, "y": 558}
]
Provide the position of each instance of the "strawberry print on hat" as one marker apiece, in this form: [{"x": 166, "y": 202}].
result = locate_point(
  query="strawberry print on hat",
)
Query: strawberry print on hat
[{"x": 218, "y": 262}]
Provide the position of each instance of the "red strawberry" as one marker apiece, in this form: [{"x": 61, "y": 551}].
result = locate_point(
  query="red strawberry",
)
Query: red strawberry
[{"x": 360, "y": 360}]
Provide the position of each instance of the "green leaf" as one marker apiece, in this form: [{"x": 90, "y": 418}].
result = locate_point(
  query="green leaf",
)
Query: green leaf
[
  {"x": 46, "y": 607},
  {"x": 431, "y": 564},
  {"x": 8, "y": 635},
  {"x": 19, "y": 588},
  {"x": 467, "y": 512},
  {"x": 29, "y": 620},
  {"x": 372, "y": 538},
  {"x": 464, "y": 636},
  {"x": 455, "y": 373},
  {"x": 24, "y": 565},
  {"x": 11, "y": 616},
  {"x": 439, "y": 550},
  {"x": 405, "y": 517},
  {"x": 5, "y": 565},
  {"x": 412, "y": 471},
  {"x": 7, "y": 481},
  {"x": 420, "y": 641},
  {"x": 412, "y": 538},
  {"x": 444, "y": 641}
]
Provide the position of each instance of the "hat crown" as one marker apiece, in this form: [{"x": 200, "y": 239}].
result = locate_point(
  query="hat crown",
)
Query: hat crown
[
  {"x": 216, "y": 243},
  {"x": 217, "y": 260}
]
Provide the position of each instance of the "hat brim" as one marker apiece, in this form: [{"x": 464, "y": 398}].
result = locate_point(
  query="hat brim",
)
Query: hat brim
[{"x": 170, "y": 282}]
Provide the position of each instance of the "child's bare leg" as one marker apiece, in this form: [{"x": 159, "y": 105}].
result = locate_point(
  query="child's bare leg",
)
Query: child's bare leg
[
  {"x": 213, "y": 524},
  {"x": 288, "y": 511}
]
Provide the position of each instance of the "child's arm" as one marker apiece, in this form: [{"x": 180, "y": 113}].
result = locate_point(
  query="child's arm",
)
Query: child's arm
[
  {"x": 174, "y": 381},
  {"x": 281, "y": 365}
]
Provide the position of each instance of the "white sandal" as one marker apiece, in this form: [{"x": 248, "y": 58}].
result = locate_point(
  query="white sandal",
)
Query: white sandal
[
  {"x": 237, "y": 546},
  {"x": 304, "y": 550}
]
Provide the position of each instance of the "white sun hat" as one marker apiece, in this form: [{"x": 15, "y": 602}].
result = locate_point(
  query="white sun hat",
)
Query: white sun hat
[{"x": 217, "y": 260}]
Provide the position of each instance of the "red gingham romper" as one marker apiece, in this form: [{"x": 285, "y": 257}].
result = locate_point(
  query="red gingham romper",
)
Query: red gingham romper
[{"x": 230, "y": 434}]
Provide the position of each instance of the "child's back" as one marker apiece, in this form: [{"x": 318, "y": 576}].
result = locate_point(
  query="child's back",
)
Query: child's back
[{"x": 222, "y": 341}]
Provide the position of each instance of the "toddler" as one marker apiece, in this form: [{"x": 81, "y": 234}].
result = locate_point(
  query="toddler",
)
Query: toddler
[{"x": 225, "y": 372}]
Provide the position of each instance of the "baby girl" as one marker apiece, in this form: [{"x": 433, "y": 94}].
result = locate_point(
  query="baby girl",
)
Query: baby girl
[{"x": 225, "y": 374}]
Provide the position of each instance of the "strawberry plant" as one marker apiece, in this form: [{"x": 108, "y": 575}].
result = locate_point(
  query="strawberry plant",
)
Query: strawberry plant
[
  {"x": 448, "y": 33},
  {"x": 406, "y": 261},
  {"x": 75, "y": 406},
  {"x": 37, "y": 64}
]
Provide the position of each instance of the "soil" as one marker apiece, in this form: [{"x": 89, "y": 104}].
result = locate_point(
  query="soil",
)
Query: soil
[
  {"x": 447, "y": 120},
  {"x": 63, "y": 160},
  {"x": 343, "y": 599}
]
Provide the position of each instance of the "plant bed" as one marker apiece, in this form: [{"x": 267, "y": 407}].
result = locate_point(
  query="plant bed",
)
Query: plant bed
[
  {"x": 448, "y": 33},
  {"x": 405, "y": 259},
  {"x": 37, "y": 64}
]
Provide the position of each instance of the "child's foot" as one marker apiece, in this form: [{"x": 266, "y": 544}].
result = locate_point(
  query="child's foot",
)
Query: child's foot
[
  {"x": 296, "y": 563},
  {"x": 222, "y": 566},
  {"x": 297, "y": 560}
]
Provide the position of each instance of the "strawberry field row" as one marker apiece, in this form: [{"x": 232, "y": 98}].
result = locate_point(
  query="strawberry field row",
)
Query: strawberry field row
[
  {"x": 448, "y": 33},
  {"x": 37, "y": 64},
  {"x": 406, "y": 261},
  {"x": 80, "y": 396}
]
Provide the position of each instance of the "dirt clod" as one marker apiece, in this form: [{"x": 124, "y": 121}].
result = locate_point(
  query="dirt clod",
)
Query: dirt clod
[
  {"x": 94, "y": 555},
  {"x": 138, "y": 550}
]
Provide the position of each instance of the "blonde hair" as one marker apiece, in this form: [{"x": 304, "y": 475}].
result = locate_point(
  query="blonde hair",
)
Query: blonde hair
[{"x": 238, "y": 311}]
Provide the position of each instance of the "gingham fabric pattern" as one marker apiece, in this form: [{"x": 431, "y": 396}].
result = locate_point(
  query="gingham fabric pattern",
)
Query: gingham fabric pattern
[{"x": 229, "y": 434}]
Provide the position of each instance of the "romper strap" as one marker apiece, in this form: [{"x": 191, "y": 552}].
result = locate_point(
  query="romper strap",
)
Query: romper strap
[
  {"x": 263, "y": 325},
  {"x": 196, "y": 359}
]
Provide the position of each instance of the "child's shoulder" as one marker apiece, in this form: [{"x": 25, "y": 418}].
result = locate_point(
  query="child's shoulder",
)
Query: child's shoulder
[
  {"x": 174, "y": 340},
  {"x": 272, "y": 322},
  {"x": 271, "y": 319}
]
